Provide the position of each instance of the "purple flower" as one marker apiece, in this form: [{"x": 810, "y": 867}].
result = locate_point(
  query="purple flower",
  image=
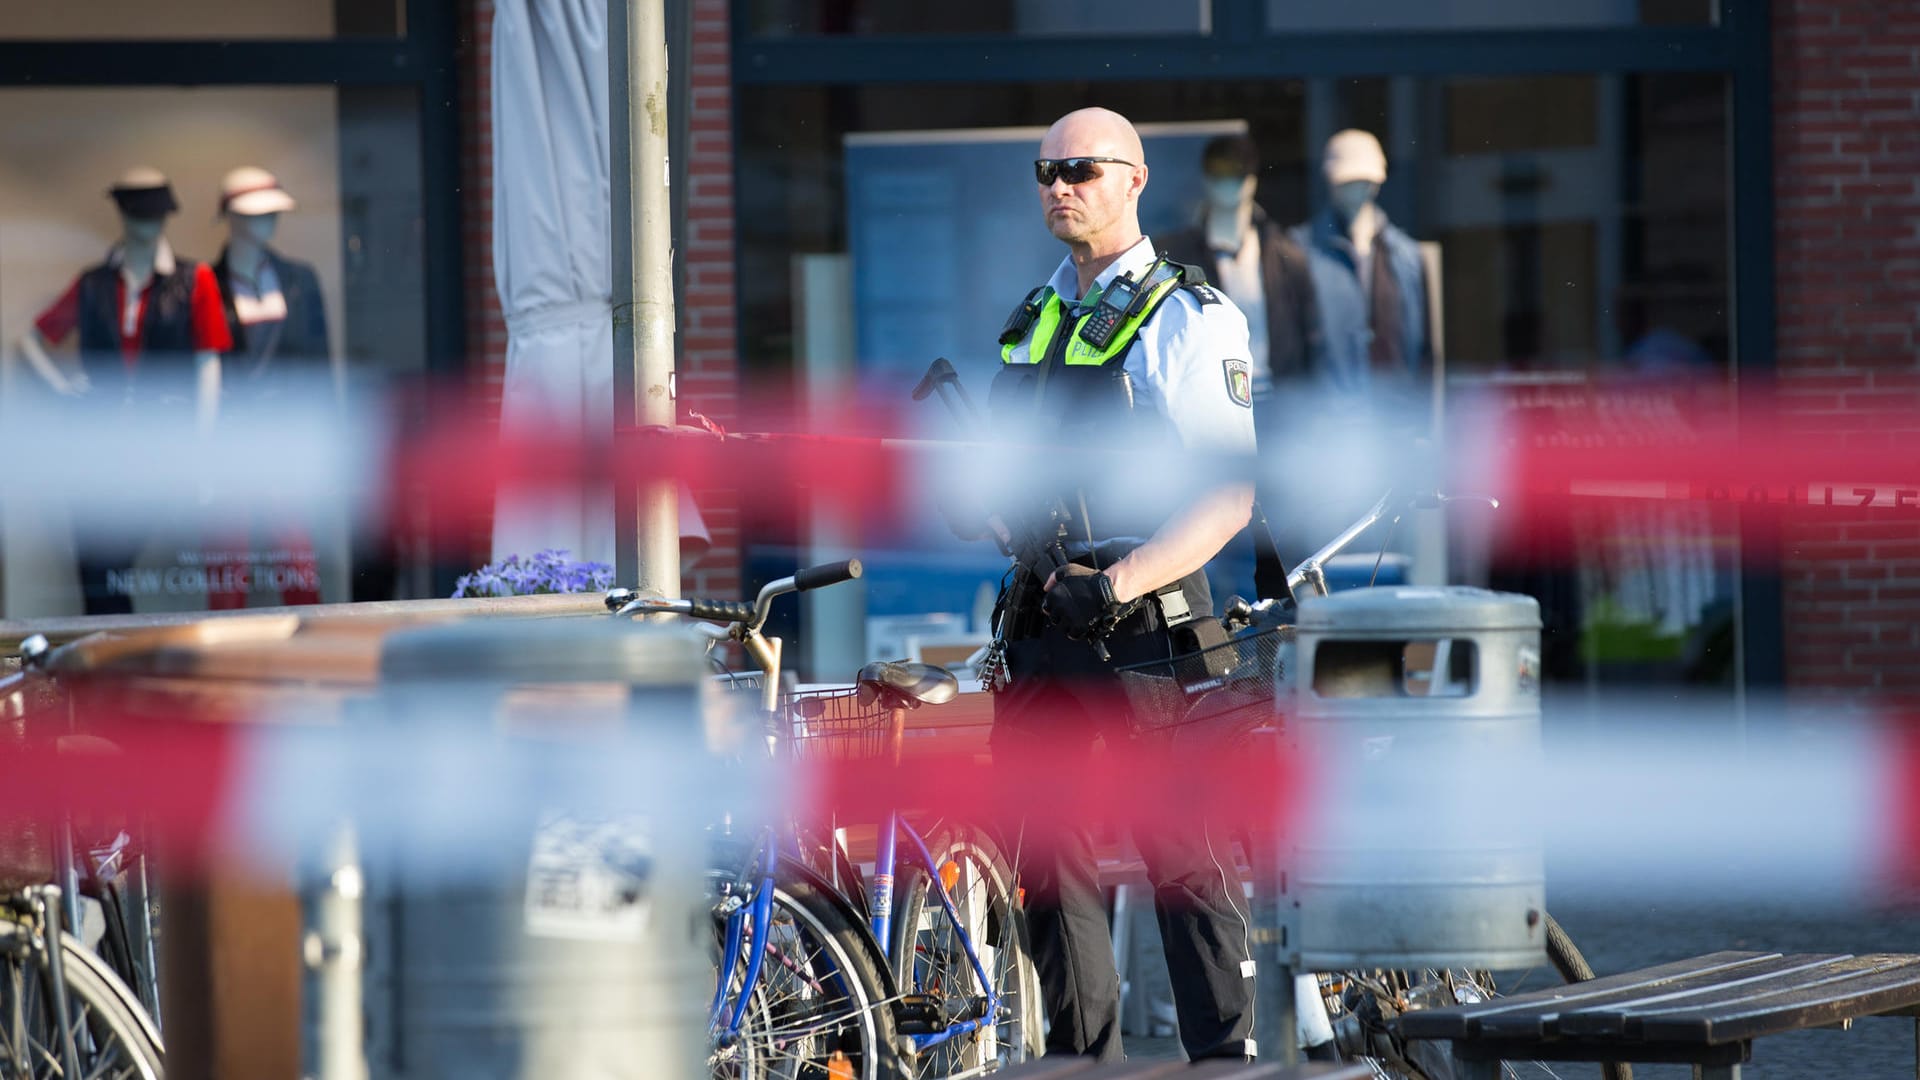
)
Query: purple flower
[{"x": 548, "y": 571}]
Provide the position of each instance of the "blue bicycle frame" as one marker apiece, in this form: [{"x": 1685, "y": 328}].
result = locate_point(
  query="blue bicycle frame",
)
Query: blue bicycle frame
[
  {"x": 882, "y": 893},
  {"x": 749, "y": 923}
]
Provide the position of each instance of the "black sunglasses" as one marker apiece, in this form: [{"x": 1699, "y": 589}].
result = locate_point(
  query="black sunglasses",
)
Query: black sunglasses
[{"x": 1074, "y": 170}]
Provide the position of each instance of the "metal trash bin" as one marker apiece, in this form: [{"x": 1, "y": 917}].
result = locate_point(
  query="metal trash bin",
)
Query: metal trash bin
[
  {"x": 578, "y": 947},
  {"x": 1417, "y": 704}
]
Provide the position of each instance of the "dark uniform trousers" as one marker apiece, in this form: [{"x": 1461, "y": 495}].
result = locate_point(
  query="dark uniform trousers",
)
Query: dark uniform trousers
[{"x": 1061, "y": 698}]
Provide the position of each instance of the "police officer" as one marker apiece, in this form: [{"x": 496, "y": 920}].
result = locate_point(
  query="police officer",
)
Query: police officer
[{"x": 1121, "y": 350}]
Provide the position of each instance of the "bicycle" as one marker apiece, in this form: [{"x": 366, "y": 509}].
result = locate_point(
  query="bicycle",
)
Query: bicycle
[
  {"x": 831, "y": 1001},
  {"x": 98, "y": 1009},
  {"x": 954, "y": 928},
  {"x": 63, "y": 1012},
  {"x": 1228, "y": 692}
]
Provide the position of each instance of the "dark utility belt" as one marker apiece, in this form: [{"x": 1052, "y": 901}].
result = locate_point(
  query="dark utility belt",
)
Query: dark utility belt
[{"x": 1168, "y": 607}]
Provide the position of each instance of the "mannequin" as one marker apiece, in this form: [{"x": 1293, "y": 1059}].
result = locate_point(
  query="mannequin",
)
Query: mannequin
[
  {"x": 1373, "y": 362},
  {"x": 143, "y": 260},
  {"x": 150, "y": 333},
  {"x": 278, "y": 320},
  {"x": 1263, "y": 271},
  {"x": 1369, "y": 283},
  {"x": 274, "y": 304},
  {"x": 1253, "y": 260}
]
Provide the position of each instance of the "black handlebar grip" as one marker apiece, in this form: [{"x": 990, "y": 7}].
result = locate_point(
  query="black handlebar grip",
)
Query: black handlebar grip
[
  {"x": 819, "y": 577},
  {"x": 721, "y": 610}
]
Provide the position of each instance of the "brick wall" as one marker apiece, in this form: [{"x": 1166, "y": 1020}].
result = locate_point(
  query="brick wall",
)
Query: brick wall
[
  {"x": 1847, "y": 191},
  {"x": 486, "y": 325},
  {"x": 707, "y": 365}
]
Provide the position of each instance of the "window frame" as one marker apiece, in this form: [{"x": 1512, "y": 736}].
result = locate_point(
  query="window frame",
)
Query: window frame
[
  {"x": 1738, "y": 46},
  {"x": 423, "y": 59}
]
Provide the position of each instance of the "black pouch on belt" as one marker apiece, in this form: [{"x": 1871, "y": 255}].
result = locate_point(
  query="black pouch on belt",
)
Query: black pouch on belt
[{"x": 1203, "y": 635}]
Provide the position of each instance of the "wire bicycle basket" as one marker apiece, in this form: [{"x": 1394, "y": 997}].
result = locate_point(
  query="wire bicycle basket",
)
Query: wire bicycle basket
[
  {"x": 833, "y": 725},
  {"x": 1222, "y": 691}
]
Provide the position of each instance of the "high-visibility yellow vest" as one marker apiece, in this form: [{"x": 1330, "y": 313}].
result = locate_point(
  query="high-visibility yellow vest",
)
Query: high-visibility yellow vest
[{"x": 1161, "y": 279}]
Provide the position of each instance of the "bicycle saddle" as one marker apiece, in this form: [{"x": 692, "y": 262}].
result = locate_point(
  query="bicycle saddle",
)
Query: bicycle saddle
[{"x": 912, "y": 683}]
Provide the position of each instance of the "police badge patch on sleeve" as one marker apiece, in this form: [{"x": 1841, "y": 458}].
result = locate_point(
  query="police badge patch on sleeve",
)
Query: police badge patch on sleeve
[{"x": 1240, "y": 382}]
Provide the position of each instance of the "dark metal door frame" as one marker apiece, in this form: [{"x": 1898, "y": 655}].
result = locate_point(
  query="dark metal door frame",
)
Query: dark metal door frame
[
  {"x": 424, "y": 59},
  {"x": 1739, "y": 46}
]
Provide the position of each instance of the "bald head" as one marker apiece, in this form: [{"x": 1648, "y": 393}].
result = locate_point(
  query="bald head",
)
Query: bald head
[
  {"x": 1093, "y": 133},
  {"x": 1096, "y": 211}
]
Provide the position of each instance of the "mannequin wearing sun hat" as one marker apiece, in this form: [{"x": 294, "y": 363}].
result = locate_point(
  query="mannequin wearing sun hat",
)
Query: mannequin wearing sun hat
[
  {"x": 277, "y": 315},
  {"x": 1368, "y": 281},
  {"x": 159, "y": 314},
  {"x": 150, "y": 333},
  {"x": 274, "y": 305}
]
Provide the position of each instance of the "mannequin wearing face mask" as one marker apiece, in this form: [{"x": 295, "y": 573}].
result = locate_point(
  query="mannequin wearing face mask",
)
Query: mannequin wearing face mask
[
  {"x": 150, "y": 333},
  {"x": 1262, "y": 270},
  {"x": 149, "y": 323},
  {"x": 273, "y": 304},
  {"x": 281, "y": 350},
  {"x": 1369, "y": 283},
  {"x": 1252, "y": 259}
]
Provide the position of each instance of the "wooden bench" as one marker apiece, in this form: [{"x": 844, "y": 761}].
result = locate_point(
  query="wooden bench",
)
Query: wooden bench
[
  {"x": 1705, "y": 1011},
  {"x": 1080, "y": 1068}
]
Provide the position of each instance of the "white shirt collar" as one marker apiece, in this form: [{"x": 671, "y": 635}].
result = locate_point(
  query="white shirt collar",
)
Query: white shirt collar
[{"x": 1066, "y": 280}]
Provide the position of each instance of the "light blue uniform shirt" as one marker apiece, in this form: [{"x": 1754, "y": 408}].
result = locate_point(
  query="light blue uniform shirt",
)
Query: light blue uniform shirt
[{"x": 1182, "y": 361}]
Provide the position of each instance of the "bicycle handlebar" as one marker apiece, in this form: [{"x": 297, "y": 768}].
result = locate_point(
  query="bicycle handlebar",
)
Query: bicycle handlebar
[
  {"x": 819, "y": 577},
  {"x": 744, "y": 620},
  {"x": 1312, "y": 569},
  {"x": 720, "y": 610},
  {"x": 1309, "y": 570},
  {"x": 751, "y": 616}
]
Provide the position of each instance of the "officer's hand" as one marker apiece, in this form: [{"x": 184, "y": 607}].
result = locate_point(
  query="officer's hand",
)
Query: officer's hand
[{"x": 1080, "y": 601}]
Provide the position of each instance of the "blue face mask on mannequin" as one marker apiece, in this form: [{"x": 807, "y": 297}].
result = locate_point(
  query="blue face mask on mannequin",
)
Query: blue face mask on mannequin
[
  {"x": 1349, "y": 197},
  {"x": 1223, "y": 193}
]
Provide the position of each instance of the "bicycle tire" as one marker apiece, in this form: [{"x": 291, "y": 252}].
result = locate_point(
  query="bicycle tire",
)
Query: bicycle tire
[
  {"x": 113, "y": 1034},
  {"x": 927, "y": 958},
  {"x": 819, "y": 996}
]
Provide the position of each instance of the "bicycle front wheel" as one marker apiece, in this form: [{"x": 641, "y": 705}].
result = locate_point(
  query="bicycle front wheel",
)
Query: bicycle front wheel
[
  {"x": 111, "y": 1036},
  {"x": 930, "y": 955},
  {"x": 815, "y": 1008}
]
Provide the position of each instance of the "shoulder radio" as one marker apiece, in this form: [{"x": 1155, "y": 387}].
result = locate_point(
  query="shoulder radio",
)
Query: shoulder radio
[{"x": 1112, "y": 310}]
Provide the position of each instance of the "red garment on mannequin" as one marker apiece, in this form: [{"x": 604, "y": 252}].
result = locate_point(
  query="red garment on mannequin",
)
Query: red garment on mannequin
[{"x": 210, "y": 332}]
